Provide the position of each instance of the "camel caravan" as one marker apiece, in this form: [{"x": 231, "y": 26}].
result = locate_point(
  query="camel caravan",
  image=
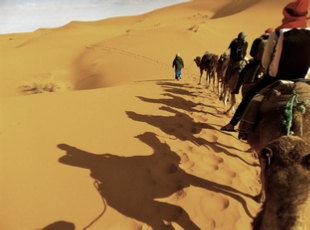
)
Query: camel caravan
[
  {"x": 216, "y": 68},
  {"x": 276, "y": 125}
]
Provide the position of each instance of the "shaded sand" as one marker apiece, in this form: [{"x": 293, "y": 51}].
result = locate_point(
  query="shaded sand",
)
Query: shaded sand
[{"x": 124, "y": 145}]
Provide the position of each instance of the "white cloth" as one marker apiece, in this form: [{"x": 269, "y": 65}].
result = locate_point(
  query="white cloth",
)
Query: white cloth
[{"x": 272, "y": 53}]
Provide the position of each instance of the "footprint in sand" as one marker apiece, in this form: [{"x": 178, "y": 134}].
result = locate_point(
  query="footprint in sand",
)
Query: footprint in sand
[
  {"x": 194, "y": 130},
  {"x": 212, "y": 159},
  {"x": 210, "y": 163},
  {"x": 167, "y": 188},
  {"x": 200, "y": 118},
  {"x": 214, "y": 203},
  {"x": 200, "y": 108},
  {"x": 184, "y": 158},
  {"x": 224, "y": 176},
  {"x": 188, "y": 165},
  {"x": 167, "y": 168},
  {"x": 185, "y": 162},
  {"x": 210, "y": 135},
  {"x": 180, "y": 194}
]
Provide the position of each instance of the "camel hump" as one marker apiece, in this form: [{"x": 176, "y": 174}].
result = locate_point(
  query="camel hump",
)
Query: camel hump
[
  {"x": 271, "y": 98},
  {"x": 282, "y": 91},
  {"x": 207, "y": 56}
]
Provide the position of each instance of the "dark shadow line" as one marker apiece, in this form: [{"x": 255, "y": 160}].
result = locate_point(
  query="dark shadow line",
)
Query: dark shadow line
[
  {"x": 96, "y": 184},
  {"x": 159, "y": 80}
]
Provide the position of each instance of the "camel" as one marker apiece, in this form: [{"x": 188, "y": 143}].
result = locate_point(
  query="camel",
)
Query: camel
[
  {"x": 208, "y": 63},
  {"x": 221, "y": 69},
  {"x": 252, "y": 72},
  {"x": 287, "y": 185},
  {"x": 271, "y": 133},
  {"x": 230, "y": 73}
]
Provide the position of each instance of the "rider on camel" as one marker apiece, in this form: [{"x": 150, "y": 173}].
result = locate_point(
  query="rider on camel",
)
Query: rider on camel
[
  {"x": 295, "y": 16},
  {"x": 251, "y": 73}
]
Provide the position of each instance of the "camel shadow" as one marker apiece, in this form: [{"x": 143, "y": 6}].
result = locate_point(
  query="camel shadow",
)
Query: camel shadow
[
  {"x": 173, "y": 101},
  {"x": 186, "y": 90},
  {"x": 184, "y": 128},
  {"x": 182, "y": 89},
  {"x": 180, "y": 125},
  {"x": 59, "y": 225},
  {"x": 131, "y": 184},
  {"x": 181, "y": 103}
]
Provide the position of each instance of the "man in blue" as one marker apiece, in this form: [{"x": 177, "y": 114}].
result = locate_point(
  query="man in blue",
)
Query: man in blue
[{"x": 178, "y": 64}]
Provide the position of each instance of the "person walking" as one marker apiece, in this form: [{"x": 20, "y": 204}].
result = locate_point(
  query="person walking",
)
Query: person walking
[{"x": 178, "y": 65}]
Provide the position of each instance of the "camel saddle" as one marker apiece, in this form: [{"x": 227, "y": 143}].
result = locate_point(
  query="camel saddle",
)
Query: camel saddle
[{"x": 272, "y": 97}]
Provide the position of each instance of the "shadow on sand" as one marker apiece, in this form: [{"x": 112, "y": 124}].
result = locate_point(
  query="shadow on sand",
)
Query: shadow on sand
[
  {"x": 180, "y": 124},
  {"x": 184, "y": 128},
  {"x": 131, "y": 184},
  {"x": 59, "y": 225}
]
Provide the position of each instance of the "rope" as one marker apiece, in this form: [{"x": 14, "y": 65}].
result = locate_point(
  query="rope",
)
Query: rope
[
  {"x": 96, "y": 184},
  {"x": 300, "y": 106},
  {"x": 189, "y": 65}
]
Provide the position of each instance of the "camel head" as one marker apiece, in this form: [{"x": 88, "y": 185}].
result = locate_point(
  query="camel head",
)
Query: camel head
[
  {"x": 287, "y": 184},
  {"x": 224, "y": 56},
  {"x": 287, "y": 151},
  {"x": 197, "y": 60},
  {"x": 216, "y": 57}
]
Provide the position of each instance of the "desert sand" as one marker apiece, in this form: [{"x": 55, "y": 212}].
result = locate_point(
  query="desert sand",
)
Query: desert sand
[{"x": 122, "y": 145}]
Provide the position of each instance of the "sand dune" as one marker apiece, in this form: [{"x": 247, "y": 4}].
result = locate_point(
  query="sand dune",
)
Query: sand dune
[{"x": 124, "y": 145}]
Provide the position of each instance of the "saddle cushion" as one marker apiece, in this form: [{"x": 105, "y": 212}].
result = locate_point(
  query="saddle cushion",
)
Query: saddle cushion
[
  {"x": 270, "y": 98},
  {"x": 278, "y": 96}
]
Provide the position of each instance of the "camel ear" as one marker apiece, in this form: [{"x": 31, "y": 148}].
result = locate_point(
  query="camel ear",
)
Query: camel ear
[
  {"x": 267, "y": 154},
  {"x": 306, "y": 160}
]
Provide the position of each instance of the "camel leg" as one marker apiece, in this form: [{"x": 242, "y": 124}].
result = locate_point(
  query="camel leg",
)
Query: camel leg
[
  {"x": 199, "y": 83},
  {"x": 219, "y": 86},
  {"x": 224, "y": 99},
  {"x": 208, "y": 80},
  {"x": 232, "y": 103},
  {"x": 221, "y": 91},
  {"x": 225, "y": 96},
  {"x": 213, "y": 78},
  {"x": 221, "y": 95}
]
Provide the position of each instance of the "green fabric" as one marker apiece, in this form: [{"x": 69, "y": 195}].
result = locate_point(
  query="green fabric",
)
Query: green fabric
[
  {"x": 178, "y": 63},
  {"x": 289, "y": 112}
]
